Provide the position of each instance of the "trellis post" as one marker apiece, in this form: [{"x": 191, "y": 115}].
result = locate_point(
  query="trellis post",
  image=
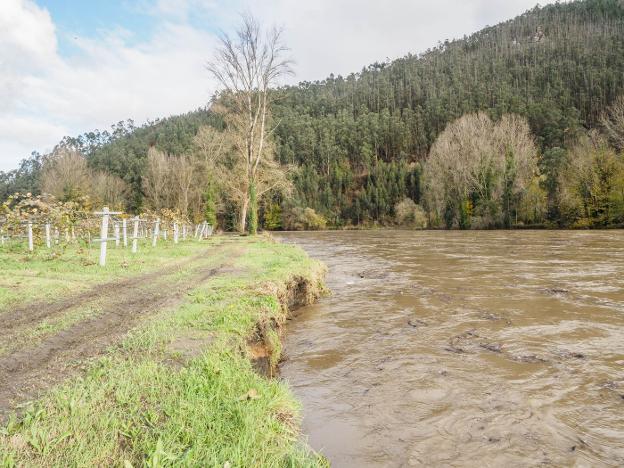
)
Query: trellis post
[
  {"x": 135, "y": 235},
  {"x": 124, "y": 229},
  {"x": 103, "y": 235},
  {"x": 116, "y": 230},
  {"x": 155, "y": 233},
  {"x": 105, "y": 213},
  {"x": 30, "y": 236},
  {"x": 47, "y": 235},
  {"x": 202, "y": 233}
]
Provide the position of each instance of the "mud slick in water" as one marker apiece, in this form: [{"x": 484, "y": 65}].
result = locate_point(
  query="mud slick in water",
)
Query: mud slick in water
[{"x": 450, "y": 348}]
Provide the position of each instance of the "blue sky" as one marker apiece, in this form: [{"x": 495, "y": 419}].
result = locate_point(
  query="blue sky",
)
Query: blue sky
[
  {"x": 71, "y": 66},
  {"x": 138, "y": 19},
  {"x": 86, "y": 18}
]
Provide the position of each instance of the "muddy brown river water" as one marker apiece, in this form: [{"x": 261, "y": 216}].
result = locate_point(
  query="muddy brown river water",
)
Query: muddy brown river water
[{"x": 463, "y": 349}]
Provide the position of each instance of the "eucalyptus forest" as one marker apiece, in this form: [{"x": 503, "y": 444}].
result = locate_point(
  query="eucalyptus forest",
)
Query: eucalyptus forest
[{"x": 518, "y": 125}]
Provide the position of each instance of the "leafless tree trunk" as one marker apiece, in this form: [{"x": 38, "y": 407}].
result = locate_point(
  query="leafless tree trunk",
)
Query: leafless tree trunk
[{"x": 246, "y": 67}]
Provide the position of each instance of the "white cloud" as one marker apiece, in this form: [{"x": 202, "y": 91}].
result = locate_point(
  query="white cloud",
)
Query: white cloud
[
  {"x": 44, "y": 95},
  {"x": 343, "y": 36}
]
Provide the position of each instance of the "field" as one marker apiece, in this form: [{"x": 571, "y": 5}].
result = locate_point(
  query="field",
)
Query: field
[{"x": 152, "y": 360}]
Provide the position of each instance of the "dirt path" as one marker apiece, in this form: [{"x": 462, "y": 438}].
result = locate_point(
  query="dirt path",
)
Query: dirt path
[{"x": 25, "y": 373}]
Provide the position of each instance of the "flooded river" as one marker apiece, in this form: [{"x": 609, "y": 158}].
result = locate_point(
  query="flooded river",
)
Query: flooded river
[{"x": 463, "y": 349}]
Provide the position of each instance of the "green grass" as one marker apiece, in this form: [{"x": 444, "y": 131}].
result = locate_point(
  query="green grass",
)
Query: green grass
[
  {"x": 49, "y": 274},
  {"x": 181, "y": 390}
]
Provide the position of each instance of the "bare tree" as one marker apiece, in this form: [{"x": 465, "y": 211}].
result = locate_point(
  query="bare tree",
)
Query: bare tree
[
  {"x": 224, "y": 166},
  {"x": 65, "y": 174},
  {"x": 157, "y": 182},
  {"x": 477, "y": 159},
  {"x": 186, "y": 179},
  {"x": 613, "y": 123},
  {"x": 210, "y": 144},
  {"x": 109, "y": 189},
  {"x": 246, "y": 67}
]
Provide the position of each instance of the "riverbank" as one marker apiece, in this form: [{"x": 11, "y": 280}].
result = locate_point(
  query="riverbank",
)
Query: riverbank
[{"x": 159, "y": 357}]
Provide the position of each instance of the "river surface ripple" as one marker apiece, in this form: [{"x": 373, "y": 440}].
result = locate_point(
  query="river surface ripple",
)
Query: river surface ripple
[{"x": 490, "y": 348}]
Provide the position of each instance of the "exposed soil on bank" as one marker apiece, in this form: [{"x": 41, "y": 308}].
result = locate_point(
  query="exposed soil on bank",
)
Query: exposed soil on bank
[
  {"x": 265, "y": 346},
  {"x": 28, "y": 370}
]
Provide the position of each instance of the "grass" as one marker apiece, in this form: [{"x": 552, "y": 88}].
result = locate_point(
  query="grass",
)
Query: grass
[
  {"x": 48, "y": 274},
  {"x": 181, "y": 390}
]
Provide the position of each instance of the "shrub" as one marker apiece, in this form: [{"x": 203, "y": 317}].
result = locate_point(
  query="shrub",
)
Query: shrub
[
  {"x": 408, "y": 213},
  {"x": 300, "y": 219}
]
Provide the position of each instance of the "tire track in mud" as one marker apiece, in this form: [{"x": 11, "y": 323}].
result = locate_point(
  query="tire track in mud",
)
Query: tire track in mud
[
  {"x": 27, "y": 372},
  {"x": 23, "y": 316}
]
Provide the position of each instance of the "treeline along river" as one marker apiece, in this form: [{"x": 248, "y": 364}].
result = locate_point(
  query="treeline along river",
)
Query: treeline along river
[{"x": 437, "y": 348}]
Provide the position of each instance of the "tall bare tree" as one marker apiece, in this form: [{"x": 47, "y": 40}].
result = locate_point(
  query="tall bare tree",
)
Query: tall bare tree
[{"x": 247, "y": 66}]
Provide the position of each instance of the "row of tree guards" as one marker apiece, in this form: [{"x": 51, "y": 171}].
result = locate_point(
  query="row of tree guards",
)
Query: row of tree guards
[{"x": 153, "y": 229}]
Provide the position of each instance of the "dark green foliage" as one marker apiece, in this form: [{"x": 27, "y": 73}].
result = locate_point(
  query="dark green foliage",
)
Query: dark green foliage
[
  {"x": 560, "y": 66},
  {"x": 24, "y": 179},
  {"x": 551, "y": 164},
  {"x": 273, "y": 216},
  {"x": 359, "y": 139}
]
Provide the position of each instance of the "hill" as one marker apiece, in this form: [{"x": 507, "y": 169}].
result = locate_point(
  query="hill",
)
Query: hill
[{"x": 359, "y": 141}]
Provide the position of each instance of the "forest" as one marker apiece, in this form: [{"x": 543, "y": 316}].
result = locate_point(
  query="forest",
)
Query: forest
[{"x": 518, "y": 125}]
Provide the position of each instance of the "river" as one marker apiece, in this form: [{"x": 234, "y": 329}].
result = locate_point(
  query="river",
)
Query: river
[{"x": 463, "y": 348}]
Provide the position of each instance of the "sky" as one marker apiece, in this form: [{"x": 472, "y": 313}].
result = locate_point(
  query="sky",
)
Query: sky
[{"x": 71, "y": 66}]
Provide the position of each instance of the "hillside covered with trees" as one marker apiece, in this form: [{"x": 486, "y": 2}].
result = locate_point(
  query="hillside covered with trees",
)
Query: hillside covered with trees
[{"x": 517, "y": 124}]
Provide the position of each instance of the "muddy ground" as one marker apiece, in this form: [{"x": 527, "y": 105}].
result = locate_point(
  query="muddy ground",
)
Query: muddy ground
[{"x": 32, "y": 366}]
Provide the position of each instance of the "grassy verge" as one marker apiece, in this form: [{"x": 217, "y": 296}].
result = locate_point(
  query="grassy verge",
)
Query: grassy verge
[{"x": 181, "y": 390}]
